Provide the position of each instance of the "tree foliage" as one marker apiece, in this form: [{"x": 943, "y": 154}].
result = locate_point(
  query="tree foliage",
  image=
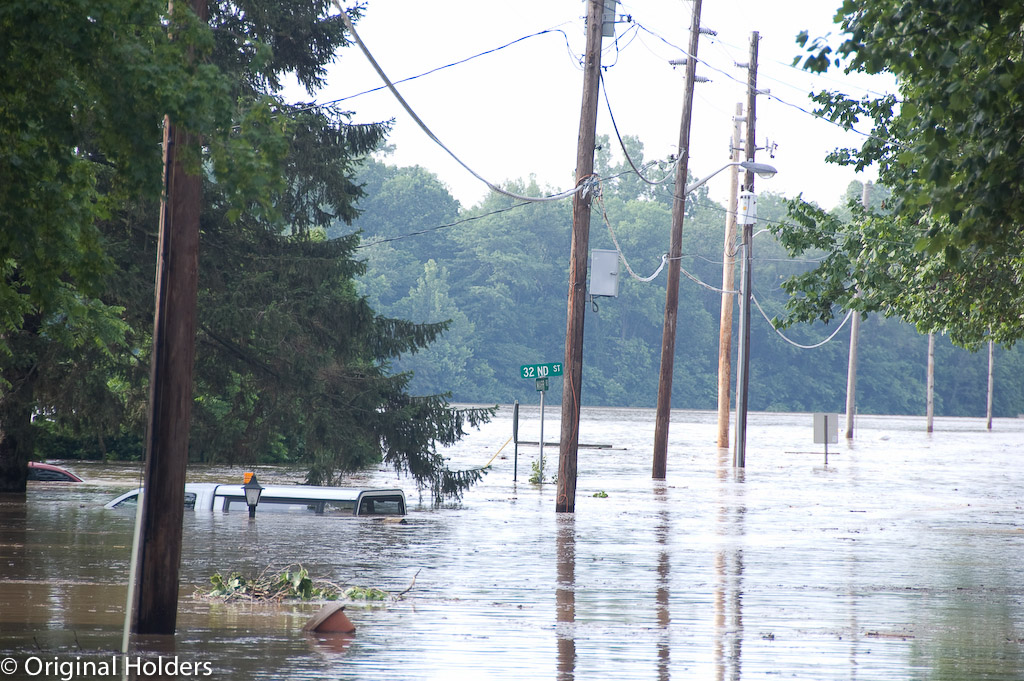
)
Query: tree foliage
[
  {"x": 507, "y": 272},
  {"x": 83, "y": 90},
  {"x": 948, "y": 257},
  {"x": 293, "y": 364}
]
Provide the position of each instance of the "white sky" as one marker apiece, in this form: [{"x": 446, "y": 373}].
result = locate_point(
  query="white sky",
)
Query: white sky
[{"x": 515, "y": 113}]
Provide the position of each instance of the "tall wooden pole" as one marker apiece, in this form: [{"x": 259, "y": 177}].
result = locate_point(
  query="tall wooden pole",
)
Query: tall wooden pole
[
  {"x": 158, "y": 552},
  {"x": 565, "y": 499},
  {"x": 728, "y": 284},
  {"x": 851, "y": 372},
  {"x": 930, "y": 399},
  {"x": 743, "y": 360},
  {"x": 668, "y": 336},
  {"x": 988, "y": 402}
]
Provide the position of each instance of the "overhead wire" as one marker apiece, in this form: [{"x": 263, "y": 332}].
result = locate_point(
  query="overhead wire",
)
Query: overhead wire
[
  {"x": 766, "y": 94},
  {"x": 435, "y": 228},
  {"x": 792, "y": 342},
  {"x": 585, "y": 184},
  {"x": 582, "y": 185},
  {"x": 622, "y": 144},
  {"x": 455, "y": 63},
  {"x": 618, "y": 249}
]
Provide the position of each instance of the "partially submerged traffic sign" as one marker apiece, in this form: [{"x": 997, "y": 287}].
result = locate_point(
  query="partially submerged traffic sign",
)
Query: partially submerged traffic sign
[
  {"x": 826, "y": 430},
  {"x": 540, "y": 374}
]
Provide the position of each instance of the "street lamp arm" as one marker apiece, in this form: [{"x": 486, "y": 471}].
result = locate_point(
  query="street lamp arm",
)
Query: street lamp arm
[{"x": 762, "y": 169}]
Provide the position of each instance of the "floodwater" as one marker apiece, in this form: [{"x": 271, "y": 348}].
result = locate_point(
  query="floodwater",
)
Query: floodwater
[{"x": 903, "y": 558}]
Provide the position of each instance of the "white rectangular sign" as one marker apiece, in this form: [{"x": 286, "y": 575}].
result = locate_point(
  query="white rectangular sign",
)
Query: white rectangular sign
[{"x": 826, "y": 428}]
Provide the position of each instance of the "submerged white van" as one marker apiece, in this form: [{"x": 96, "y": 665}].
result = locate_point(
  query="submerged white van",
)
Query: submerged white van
[{"x": 208, "y": 496}]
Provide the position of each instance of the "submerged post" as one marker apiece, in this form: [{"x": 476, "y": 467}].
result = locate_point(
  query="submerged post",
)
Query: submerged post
[
  {"x": 659, "y": 465},
  {"x": 542, "y": 393},
  {"x": 515, "y": 439},
  {"x": 988, "y": 403},
  {"x": 743, "y": 358},
  {"x": 826, "y": 440},
  {"x": 930, "y": 387}
]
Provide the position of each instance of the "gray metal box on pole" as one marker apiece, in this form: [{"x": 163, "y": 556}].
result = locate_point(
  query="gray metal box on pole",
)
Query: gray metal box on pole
[
  {"x": 608, "y": 20},
  {"x": 604, "y": 273}
]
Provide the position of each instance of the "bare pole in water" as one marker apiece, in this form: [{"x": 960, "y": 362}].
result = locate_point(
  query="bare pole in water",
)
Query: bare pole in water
[
  {"x": 930, "y": 399},
  {"x": 743, "y": 360},
  {"x": 851, "y": 374},
  {"x": 728, "y": 286},
  {"x": 668, "y": 337},
  {"x": 157, "y": 553},
  {"x": 988, "y": 409}
]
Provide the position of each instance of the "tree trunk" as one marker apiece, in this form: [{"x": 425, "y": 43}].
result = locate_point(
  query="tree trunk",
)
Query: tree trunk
[{"x": 16, "y": 406}]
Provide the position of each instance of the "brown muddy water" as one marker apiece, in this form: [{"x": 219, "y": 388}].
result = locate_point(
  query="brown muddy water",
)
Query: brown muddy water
[{"x": 901, "y": 559}]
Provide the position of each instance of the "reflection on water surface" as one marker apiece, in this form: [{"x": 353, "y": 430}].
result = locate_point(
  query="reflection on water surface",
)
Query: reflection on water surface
[{"x": 902, "y": 559}]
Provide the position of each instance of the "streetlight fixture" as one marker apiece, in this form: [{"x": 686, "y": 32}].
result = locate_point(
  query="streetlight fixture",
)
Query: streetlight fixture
[
  {"x": 762, "y": 169},
  {"x": 252, "y": 490},
  {"x": 664, "y": 405}
]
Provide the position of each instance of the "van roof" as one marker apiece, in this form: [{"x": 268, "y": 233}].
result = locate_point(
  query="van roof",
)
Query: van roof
[{"x": 313, "y": 495}]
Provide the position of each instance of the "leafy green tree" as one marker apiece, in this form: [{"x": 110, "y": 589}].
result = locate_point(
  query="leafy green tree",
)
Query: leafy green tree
[
  {"x": 949, "y": 256},
  {"x": 403, "y": 214},
  {"x": 292, "y": 361},
  {"x": 83, "y": 89},
  {"x": 449, "y": 365},
  {"x": 511, "y": 262}
]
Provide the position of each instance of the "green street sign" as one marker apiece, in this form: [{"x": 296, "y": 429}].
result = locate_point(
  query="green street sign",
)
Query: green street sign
[
  {"x": 540, "y": 370},
  {"x": 542, "y": 384}
]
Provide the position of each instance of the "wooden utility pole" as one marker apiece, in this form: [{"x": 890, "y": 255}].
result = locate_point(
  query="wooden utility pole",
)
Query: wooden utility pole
[
  {"x": 728, "y": 284},
  {"x": 668, "y": 336},
  {"x": 988, "y": 407},
  {"x": 743, "y": 360},
  {"x": 851, "y": 372},
  {"x": 930, "y": 398},
  {"x": 565, "y": 499},
  {"x": 155, "y": 595}
]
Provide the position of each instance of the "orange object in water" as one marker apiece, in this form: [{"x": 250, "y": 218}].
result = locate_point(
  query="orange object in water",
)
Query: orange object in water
[{"x": 330, "y": 620}]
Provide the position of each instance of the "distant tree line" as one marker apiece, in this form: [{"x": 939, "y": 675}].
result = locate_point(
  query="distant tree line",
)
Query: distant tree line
[{"x": 497, "y": 273}]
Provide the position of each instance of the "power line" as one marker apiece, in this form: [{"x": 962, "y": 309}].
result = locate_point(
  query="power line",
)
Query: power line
[
  {"x": 457, "y": 63},
  {"x": 622, "y": 257},
  {"x": 428, "y": 230},
  {"x": 767, "y": 94},
  {"x": 792, "y": 342},
  {"x": 583, "y": 185},
  {"x": 622, "y": 144}
]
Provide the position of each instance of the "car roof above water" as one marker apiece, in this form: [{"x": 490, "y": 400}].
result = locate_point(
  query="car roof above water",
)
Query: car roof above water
[{"x": 204, "y": 496}]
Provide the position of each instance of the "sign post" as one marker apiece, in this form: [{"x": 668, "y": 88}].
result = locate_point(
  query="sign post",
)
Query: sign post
[
  {"x": 540, "y": 373},
  {"x": 826, "y": 429},
  {"x": 542, "y": 386},
  {"x": 515, "y": 437}
]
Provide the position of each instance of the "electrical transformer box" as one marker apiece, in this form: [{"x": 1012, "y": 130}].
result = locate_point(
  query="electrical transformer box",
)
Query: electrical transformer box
[{"x": 604, "y": 273}]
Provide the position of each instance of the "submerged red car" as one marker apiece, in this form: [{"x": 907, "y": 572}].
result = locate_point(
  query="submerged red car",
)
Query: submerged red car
[{"x": 46, "y": 472}]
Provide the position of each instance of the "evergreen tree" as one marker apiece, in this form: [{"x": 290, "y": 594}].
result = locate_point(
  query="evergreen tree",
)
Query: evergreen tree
[{"x": 292, "y": 361}]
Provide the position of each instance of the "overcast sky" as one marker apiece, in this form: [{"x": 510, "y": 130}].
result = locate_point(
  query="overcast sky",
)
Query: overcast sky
[{"x": 514, "y": 113}]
